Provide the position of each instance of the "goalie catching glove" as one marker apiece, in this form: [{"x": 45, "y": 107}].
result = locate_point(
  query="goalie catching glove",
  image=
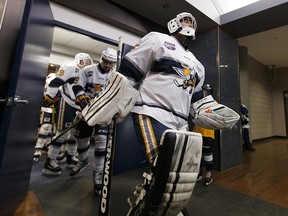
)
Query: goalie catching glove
[
  {"x": 48, "y": 101},
  {"x": 207, "y": 113},
  {"x": 82, "y": 101}
]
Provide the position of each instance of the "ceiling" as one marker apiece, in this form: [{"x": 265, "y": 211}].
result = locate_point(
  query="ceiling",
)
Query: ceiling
[
  {"x": 67, "y": 43},
  {"x": 264, "y": 33}
]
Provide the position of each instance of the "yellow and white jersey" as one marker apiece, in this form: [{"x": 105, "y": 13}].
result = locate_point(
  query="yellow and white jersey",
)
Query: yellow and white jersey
[
  {"x": 67, "y": 75},
  {"x": 92, "y": 81},
  {"x": 166, "y": 76}
]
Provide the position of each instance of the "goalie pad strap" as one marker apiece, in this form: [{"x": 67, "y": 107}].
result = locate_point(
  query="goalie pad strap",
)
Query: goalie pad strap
[{"x": 176, "y": 171}]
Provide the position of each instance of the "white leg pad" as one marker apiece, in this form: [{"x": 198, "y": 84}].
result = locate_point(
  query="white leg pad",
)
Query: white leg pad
[{"x": 175, "y": 175}]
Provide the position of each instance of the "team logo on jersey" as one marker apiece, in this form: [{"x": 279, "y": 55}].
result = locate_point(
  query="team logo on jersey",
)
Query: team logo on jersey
[
  {"x": 169, "y": 45},
  {"x": 189, "y": 80},
  {"x": 60, "y": 73},
  {"x": 185, "y": 71},
  {"x": 97, "y": 87}
]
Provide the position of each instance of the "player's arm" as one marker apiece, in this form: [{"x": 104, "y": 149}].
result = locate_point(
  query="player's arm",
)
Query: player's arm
[
  {"x": 79, "y": 90},
  {"x": 50, "y": 96}
]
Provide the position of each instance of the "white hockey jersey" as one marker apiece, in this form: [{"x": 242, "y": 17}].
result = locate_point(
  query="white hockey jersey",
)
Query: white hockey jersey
[
  {"x": 166, "y": 76},
  {"x": 67, "y": 75},
  {"x": 92, "y": 81}
]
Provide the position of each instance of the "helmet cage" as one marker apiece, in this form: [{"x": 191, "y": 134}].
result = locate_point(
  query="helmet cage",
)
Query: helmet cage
[{"x": 175, "y": 25}]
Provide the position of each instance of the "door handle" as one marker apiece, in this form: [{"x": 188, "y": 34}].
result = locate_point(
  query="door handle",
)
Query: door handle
[
  {"x": 14, "y": 101},
  {"x": 17, "y": 100}
]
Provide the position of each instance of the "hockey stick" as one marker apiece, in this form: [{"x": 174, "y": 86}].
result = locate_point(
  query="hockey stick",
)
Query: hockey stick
[
  {"x": 108, "y": 169},
  {"x": 65, "y": 131}
]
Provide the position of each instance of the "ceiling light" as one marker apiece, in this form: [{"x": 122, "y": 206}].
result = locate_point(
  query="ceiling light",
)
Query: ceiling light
[{"x": 165, "y": 6}]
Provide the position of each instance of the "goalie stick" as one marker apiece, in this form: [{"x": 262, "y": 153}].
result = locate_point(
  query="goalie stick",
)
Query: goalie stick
[
  {"x": 104, "y": 204},
  {"x": 108, "y": 170}
]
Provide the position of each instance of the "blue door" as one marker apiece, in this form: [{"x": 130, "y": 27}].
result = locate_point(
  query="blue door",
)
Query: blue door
[{"x": 22, "y": 102}]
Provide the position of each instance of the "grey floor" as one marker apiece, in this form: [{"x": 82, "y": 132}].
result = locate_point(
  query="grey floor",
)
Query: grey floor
[{"x": 63, "y": 195}]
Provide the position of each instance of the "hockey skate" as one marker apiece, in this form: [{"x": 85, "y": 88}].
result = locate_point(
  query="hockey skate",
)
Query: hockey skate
[
  {"x": 97, "y": 182},
  {"x": 61, "y": 157},
  {"x": 79, "y": 167},
  {"x": 71, "y": 161},
  {"x": 37, "y": 154},
  {"x": 51, "y": 167},
  {"x": 137, "y": 206}
]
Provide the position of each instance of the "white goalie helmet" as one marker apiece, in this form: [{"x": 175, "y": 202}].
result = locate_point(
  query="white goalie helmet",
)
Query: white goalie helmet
[
  {"x": 109, "y": 54},
  {"x": 84, "y": 57},
  {"x": 175, "y": 25}
]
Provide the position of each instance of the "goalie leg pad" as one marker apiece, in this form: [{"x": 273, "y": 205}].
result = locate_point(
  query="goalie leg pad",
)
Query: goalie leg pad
[
  {"x": 117, "y": 98},
  {"x": 176, "y": 172}
]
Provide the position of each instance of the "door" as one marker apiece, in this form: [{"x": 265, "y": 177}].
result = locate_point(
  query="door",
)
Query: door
[
  {"x": 22, "y": 103},
  {"x": 285, "y": 96}
]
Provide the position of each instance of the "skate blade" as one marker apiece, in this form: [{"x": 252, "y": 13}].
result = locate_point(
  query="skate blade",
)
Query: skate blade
[
  {"x": 72, "y": 173},
  {"x": 69, "y": 166},
  {"x": 49, "y": 172}
]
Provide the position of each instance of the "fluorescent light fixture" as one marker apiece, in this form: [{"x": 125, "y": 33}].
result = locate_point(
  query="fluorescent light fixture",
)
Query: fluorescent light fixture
[
  {"x": 216, "y": 8},
  {"x": 226, "y": 6}
]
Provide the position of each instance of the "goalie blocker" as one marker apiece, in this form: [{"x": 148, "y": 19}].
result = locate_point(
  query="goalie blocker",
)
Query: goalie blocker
[
  {"x": 118, "y": 98},
  {"x": 167, "y": 190},
  {"x": 207, "y": 113}
]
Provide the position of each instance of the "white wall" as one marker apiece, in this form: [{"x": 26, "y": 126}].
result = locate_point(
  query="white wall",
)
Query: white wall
[
  {"x": 280, "y": 85},
  {"x": 261, "y": 102},
  {"x": 266, "y": 101}
]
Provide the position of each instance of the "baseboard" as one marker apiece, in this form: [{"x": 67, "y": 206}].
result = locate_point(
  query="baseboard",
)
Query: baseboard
[{"x": 267, "y": 138}]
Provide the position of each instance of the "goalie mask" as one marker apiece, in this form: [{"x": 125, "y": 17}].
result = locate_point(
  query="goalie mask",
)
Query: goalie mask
[
  {"x": 83, "y": 59},
  {"x": 179, "y": 24}
]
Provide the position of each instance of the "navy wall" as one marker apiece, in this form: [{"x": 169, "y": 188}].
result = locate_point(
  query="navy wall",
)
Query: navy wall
[{"x": 218, "y": 52}]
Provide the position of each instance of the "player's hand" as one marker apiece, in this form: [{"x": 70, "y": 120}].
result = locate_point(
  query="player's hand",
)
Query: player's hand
[
  {"x": 82, "y": 101},
  {"x": 48, "y": 101}
]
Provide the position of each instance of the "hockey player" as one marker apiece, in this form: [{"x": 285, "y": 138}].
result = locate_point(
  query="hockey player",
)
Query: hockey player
[
  {"x": 208, "y": 136},
  {"x": 92, "y": 81},
  {"x": 167, "y": 75},
  {"x": 67, "y": 75},
  {"x": 46, "y": 124},
  {"x": 247, "y": 145}
]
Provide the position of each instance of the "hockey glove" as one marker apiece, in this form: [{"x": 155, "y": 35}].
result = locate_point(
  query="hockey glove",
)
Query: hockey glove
[
  {"x": 48, "y": 101},
  {"x": 82, "y": 101}
]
